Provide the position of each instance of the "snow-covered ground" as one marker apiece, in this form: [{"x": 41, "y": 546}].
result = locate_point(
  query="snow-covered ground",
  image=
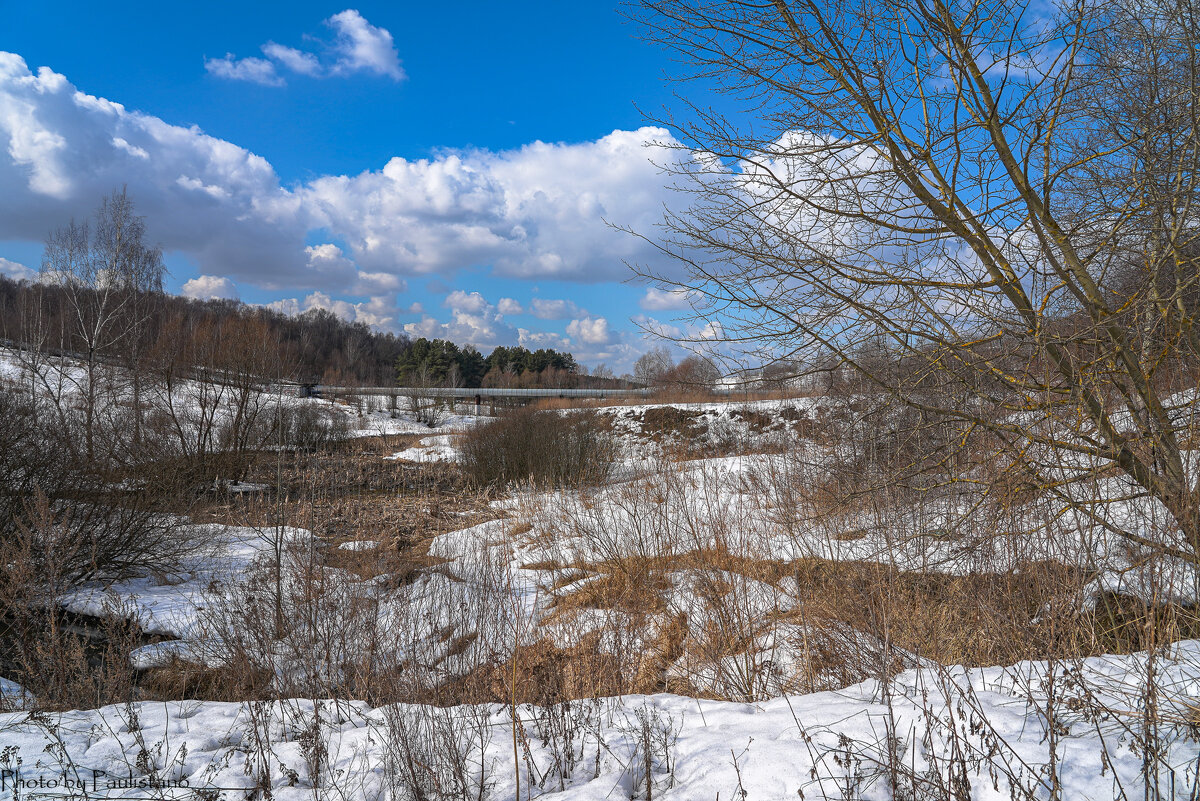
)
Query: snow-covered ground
[
  {"x": 933, "y": 733},
  {"x": 654, "y": 508},
  {"x": 195, "y": 404},
  {"x": 695, "y": 477},
  {"x": 439, "y": 448}
]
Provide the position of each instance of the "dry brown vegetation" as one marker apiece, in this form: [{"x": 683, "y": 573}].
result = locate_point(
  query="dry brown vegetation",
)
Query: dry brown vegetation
[{"x": 347, "y": 492}]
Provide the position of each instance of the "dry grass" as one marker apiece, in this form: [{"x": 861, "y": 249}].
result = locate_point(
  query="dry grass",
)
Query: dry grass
[
  {"x": 975, "y": 620},
  {"x": 179, "y": 680},
  {"x": 349, "y": 493}
]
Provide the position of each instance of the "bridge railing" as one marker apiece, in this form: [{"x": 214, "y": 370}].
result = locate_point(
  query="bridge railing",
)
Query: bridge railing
[{"x": 324, "y": 390}]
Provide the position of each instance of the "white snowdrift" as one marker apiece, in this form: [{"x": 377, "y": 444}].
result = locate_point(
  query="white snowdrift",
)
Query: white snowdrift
[{"x": 825, "y": 745}]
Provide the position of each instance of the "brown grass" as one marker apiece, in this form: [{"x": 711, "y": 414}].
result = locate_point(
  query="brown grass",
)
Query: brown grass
[
  {"x": 179, "y": 680},
  {"x": 350, "y": 493},
  {"x": 977, "y": 619}
]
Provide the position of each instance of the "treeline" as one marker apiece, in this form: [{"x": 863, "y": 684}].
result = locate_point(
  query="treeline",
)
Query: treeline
[
  {"x": 439, "y": 362},
  {"x": 316, "y": 346}
]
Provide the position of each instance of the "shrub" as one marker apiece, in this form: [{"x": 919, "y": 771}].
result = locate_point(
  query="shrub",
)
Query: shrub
[
  {"x": 545, "y": 447},
  {"x": 307, "y": 427}
]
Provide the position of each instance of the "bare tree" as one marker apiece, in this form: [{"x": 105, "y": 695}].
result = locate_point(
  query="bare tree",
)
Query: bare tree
[
  {"x": 652, "y": 365},
  {"x": 106, "y": 270},
  {"x": 695, "y": 372},
  {"x": 985, "y": 210}
]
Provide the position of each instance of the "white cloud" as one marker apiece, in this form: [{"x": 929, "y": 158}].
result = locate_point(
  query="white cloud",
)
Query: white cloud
[
  {"x": 295, "y": 60},
  {"x": 358, "y": 46},
  {"x": 541, "y": 210},
  {"x": 207, "y": 287},
  {"x": 482, "y": 331},
  {"x": 378, "y": 312},
  {"x": 542, "y": 339},
  {"x": 538, "y": 211},
  {"x": 467, "y": 302},
  {"x": 509, "y": 306},
  {"x": 545, "y": 309},
  {"x": 130, "y": 149},
  {"x": 472, "y": 321},
  {"x": 361, "y": 46},
  {"x": 16, "y": 271},
  {"x": 590, "y": 330},
  {"x": 205, "y": 197},
  {"x": 329, "y": 267},
  {"x": 666, "y": 299},
  {"x": 254, "y": 70},
  {"x": 656, "y": 329}
]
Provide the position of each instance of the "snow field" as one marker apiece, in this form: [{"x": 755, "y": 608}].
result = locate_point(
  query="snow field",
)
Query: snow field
[{"x": 981, "y": 727}]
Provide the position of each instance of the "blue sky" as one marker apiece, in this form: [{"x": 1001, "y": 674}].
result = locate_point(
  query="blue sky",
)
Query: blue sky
[{"x": 440, "y": 169}]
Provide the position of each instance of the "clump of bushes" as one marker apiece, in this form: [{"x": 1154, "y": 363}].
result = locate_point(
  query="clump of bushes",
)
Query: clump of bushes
[
  {"x": 546, "y": 447},
  {"x": 310, "y": 427}
]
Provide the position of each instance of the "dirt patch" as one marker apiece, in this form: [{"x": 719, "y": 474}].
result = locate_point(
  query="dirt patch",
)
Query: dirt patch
[
  {"x": 758, "y": 422},
  {"x": 659, "y": 422}
]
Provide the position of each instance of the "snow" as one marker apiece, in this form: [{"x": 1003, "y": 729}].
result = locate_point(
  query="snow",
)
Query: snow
[
  {"x": 14, "y": 697},
  {"x": 194, "y": 403},
  {"x": 358, "y": 545},
  {"x": 441, "y": 448},
  {"x": 173, "y": 605},
  {"x": 381, "y": 422},
  {"x": 831, "y": 744},
  {"x": 678, "y": 491}
]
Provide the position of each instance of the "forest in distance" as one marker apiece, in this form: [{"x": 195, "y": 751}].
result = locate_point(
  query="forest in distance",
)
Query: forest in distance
[{"x": 315, "y": 347}]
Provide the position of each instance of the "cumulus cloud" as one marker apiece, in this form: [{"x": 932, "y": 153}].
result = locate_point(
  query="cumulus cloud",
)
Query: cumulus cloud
[
  {"x": 539, "y": 211},
  {"x": 361, "y": 46},
  {"x": 16, "y": 271},
  {"x": 533, "y": 340},
  {"x": 295, "y": 60},
  {"x": 509, "y": 306},
  {"x": 657, "y": 329},
  {"x": 358, "y": 46},
  {"x": 329, "y": 267},
  {"x": 473, "y": 320},
  {"x": 589, "y": 330},
  {"x": 378, "y": 312},
  {"x": 254, "y": 70},
  {"x": 466, "y": 302},
  {"x": 666, "y": 299},
  {"x": 64, "y": 150},
  {"x": 207, "y": 287},
  {"x": 545, "y": 309}
]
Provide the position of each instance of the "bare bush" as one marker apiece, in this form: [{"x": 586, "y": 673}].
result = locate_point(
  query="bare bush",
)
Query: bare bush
[
  {"x": 544, "y": 447},
  {"x": 433, "y": 752},
  {"x": 309, "y": 427},
  {"x": 52, "y": 505}
]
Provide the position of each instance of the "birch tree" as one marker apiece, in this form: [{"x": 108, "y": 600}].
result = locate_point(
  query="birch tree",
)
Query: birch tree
[{"x": 106, "y": 272}]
